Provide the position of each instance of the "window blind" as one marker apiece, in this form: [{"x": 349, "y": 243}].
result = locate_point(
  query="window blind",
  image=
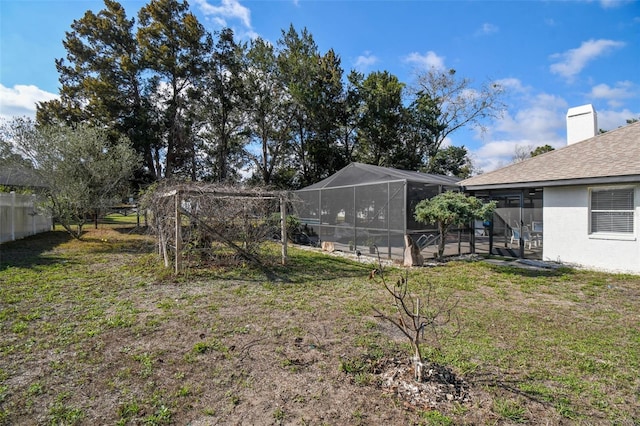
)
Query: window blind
[{"x": 612, "y": 210}]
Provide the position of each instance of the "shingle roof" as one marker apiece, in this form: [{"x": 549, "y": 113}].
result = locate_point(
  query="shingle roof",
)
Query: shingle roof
[
  {"x": 613, "y": 156},
  {"x": 360, "y": 174},
  {"x": 19, "y": 176}
]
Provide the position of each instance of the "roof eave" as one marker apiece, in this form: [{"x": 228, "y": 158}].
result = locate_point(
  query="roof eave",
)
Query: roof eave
[{"x": 600, "y": 180}]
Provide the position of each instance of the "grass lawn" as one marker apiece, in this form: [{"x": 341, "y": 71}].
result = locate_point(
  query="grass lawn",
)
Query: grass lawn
[{"x": 98, "y": 332}]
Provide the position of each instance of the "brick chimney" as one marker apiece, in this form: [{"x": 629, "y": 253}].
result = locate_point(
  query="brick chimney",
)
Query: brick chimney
[{"x": 582, "y": 123}]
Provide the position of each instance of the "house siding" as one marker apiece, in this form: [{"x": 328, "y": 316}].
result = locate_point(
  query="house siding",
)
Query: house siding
[{"x": 567, "y": 238}]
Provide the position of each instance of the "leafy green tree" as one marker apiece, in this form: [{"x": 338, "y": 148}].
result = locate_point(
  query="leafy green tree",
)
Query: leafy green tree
[
  {"x": 314, "y": 85},
  {"x": 298, "y": 69},
  {"x": 8, "y": 157},
  {"x": 220, "y": 105},
  {"x": 17, "y": 170},
  {"x": 84, "y": 169},
  {"x": 269, "y": 112},
  {"x": 381, "y": 118},
  {"x": 541, "y": 150},
  {"x": 416, "y": 150},
  {"x": 452, "y": 161},
  {"x": 173, "y": 47},
  {"x": 102, "y": 84},
  {"x": 420, "y": 126},
  {"x": 349, "y": 117},
  {"x": 326, "y": 108},
  {"x": 451, "y": 208}
]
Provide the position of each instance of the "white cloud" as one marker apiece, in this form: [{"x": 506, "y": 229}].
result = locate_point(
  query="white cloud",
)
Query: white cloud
[
  {"x": 609, "y": 119},
  {"x": 610, "y": 4},
  {"x": 535, "y": 120},
  {"x": 21, "y": 100},
  {"x": 512, "y": 85},
  {"x": 220, "y": 22},
  {"x": 496, "y": 154},
  {"x": 228, "y": 9},
  {"x": 487, "y": 29},
  {"x": 427, "y": 61},
  {"x": 252, "y": 35},
  {"x": 614, "y": 95},
  {"x": 573, "y": 61},
  {"x": 363, "y": 62},
  {"x": 540, "y": 121}
]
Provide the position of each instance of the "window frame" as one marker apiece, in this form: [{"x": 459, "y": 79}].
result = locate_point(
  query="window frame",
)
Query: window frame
[{"x": 608, "y": 234}]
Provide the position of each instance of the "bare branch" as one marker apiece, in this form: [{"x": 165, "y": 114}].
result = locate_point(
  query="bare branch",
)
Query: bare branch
[
  {"x": 412, "y": 317},
  {"x": 216, "y": 218}
]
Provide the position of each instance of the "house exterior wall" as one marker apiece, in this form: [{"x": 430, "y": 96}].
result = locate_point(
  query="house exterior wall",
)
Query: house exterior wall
[{"x": 567, "y": 238}]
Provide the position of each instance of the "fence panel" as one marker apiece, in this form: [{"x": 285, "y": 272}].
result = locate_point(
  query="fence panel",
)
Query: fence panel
[{"x": 20, "y": 217}]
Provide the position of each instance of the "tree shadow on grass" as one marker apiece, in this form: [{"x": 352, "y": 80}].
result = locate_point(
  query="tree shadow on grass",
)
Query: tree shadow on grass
[
  {"x": 301, "y": 268},
  {"x": 529, "y": 271},
  {"x": 324, "y": 268},
  {"x": 553, "y": 400},
  {"x": 131, "y": 229},
  {"x": 28, "y": 252}
]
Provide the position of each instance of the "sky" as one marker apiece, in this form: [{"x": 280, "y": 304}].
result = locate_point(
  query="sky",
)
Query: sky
[{"x": 548, "y": 55}]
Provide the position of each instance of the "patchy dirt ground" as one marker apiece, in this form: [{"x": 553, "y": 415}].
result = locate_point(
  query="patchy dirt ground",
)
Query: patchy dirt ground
[
  {"x": 91, "y": 335},
  {"x": 193, "y": 357}
]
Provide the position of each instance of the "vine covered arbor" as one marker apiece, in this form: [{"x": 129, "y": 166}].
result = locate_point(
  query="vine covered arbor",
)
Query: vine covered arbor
[{"x": 197, "y": 221}]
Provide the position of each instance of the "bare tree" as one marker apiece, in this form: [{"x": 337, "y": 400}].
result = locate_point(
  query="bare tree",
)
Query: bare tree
[
  {"x": 413, "y": 315},
  {"x": 521, "y": 153},
  {"x": 448, "y": 103}
]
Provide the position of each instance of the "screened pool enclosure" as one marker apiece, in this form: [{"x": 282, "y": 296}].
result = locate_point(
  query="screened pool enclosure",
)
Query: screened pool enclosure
[{"x": 363, "y": 205}]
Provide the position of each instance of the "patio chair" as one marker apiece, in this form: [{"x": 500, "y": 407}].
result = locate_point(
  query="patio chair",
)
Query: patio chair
[
  {"x": 526, "y": 237},
  {"x": 536, "y": 232}
]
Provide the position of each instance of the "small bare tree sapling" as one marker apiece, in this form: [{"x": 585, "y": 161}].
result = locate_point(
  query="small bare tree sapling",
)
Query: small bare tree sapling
[{"x": 413, "y": 316}]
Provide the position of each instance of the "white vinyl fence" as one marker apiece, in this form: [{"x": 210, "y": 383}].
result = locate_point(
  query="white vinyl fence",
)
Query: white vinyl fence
[{"x": 20, "y": 217}]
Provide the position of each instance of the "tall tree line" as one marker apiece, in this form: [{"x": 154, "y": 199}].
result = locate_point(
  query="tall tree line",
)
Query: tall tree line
[{"x": 205, "y": 106}]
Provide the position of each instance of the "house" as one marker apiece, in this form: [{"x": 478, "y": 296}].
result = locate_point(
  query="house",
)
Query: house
[
  {"x": 579, "y": 204},
  {"x": 363, "y": 205}
]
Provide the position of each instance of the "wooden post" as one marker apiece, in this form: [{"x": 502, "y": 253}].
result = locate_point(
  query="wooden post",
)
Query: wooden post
[
  {"x": 163, "y": 248},
  {"x": 283, "y": 228},
  {"x": 178, "y": 218}
]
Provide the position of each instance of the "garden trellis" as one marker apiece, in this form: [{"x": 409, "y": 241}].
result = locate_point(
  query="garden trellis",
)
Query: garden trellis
[{"x": 203, "y": 217}]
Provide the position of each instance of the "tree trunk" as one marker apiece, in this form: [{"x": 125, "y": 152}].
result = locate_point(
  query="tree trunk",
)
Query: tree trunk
[
  {"x": 443, "y": 239},
  {"x": 417, "y": 360}
]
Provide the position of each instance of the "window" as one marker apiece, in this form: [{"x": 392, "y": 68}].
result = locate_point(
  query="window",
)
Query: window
[{"x": 612, "y": 210}]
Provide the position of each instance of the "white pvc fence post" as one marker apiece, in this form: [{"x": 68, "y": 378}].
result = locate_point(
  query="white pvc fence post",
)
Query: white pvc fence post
[
  {"x": 33, "y": 214},
  {"x": 283, "y": 228},
  {"x": 12, "y": 215}
]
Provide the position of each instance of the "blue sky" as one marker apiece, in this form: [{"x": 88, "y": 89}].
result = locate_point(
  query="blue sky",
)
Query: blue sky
[{"x": 550, "y": 55}]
